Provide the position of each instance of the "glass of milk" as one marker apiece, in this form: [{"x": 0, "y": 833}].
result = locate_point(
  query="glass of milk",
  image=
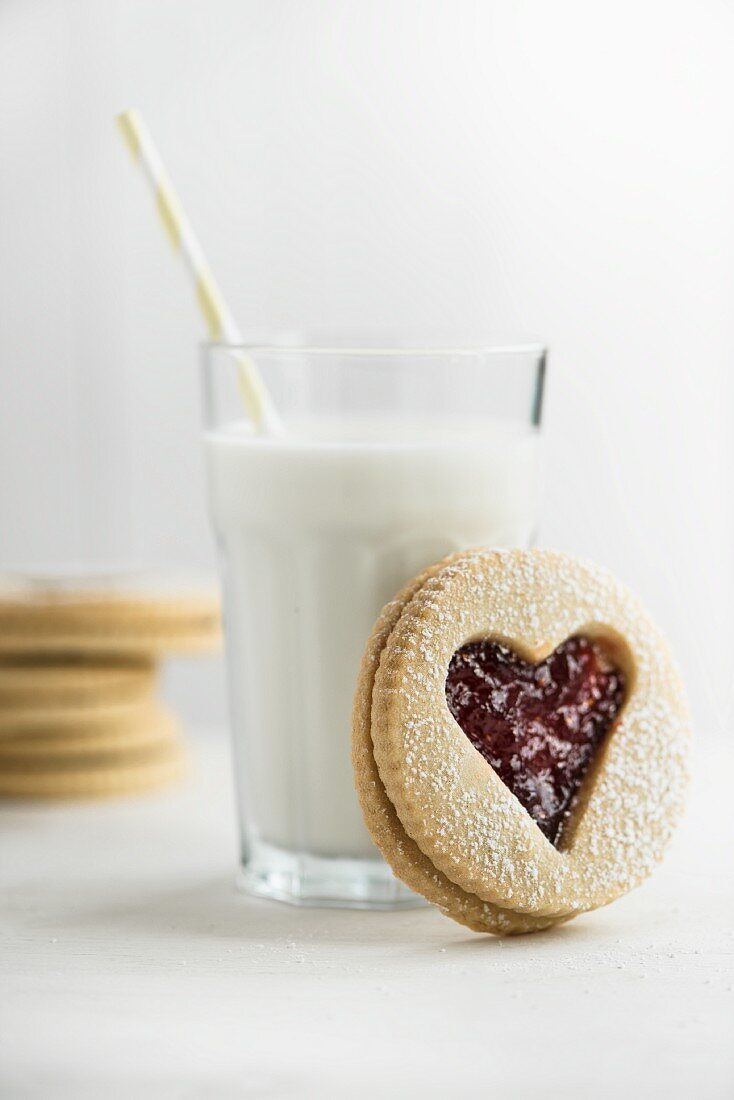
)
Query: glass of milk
[{"x": 389, "y": 459}]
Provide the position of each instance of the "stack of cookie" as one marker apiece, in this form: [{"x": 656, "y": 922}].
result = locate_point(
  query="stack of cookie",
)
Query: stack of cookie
[{"x": 78, "y": 709}]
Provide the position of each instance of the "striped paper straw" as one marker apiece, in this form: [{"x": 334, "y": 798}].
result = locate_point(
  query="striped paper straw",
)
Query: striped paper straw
[{"x": 219, "y": 320}]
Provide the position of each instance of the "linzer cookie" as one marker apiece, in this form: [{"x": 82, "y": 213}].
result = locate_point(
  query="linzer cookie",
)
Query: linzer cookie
[
  {"x": 79, "y": 721},
  {"x": 38, "y": 685},
  {"x": 95, "y": 776},
  {"x": 48, "y": 736},
  {"x": 520, "y": 738},
  {"x": 37, "y": 620}
]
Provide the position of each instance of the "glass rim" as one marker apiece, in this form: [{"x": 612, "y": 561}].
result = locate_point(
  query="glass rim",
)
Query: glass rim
[{"x": 536, "y": 348}]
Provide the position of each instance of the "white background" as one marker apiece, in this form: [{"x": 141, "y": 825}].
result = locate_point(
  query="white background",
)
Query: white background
[{"x": 563, "y": 170}]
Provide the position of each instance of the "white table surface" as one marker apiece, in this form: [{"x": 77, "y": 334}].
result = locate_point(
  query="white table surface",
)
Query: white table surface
[{"x": 131, "y": 968}]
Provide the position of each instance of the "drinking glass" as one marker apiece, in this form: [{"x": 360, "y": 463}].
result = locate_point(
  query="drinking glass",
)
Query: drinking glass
[{"x": 389, "y": 459}]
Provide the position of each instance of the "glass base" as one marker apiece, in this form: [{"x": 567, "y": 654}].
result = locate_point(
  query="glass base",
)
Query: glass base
[{"x": 302, "y": 879}]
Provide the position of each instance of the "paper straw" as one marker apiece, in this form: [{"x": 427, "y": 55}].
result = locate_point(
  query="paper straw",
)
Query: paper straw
[{"x": 219, "y": 320}]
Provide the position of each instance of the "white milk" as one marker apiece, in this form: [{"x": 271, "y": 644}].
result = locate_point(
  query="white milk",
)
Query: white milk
[{"x": 316, "y": 533}]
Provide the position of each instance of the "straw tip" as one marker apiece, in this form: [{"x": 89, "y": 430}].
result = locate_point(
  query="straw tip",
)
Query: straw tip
[{"x": 129, "y": 123}]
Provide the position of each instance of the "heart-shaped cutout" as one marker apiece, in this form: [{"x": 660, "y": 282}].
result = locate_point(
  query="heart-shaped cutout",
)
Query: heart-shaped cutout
[{"x": 538, "y": 725}]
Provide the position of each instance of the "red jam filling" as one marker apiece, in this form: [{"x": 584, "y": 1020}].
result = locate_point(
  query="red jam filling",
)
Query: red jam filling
[{"x": 539, "y": 726}]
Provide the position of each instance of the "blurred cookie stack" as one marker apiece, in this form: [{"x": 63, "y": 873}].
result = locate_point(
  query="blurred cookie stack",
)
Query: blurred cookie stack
[{"x": 79, "y": 716}]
